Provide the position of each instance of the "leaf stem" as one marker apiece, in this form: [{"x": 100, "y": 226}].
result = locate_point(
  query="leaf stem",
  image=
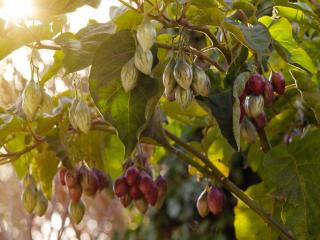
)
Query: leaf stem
[{"x": 230, "y": 186}]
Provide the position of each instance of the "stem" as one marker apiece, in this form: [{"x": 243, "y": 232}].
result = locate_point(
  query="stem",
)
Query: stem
[
  {"x": 195, "y": 52},
  {"x": 230, "y": 186},
  {"x": 264, "y": 142}
]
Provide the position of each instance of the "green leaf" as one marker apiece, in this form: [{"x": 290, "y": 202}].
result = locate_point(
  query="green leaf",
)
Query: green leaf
[
  {"x": 309, "y": 91},
  {"x": 9, "y": 124},
  {"x": 127, "y": 112},
  {"x": 219, "y": 104},
  {"x": 207, "y": 16},
  {"x": 256, "y": 37},
  {"x": 54, "y": 68},
  {"x": 292, "y": 172},
  {"x": 238, "y": 88},
  {"x": 129, "y": 19},
  {"x": 204, "y": 3},
  {"x": 248, "y": 224},
  {"x": 80, "y": 48},
  {"x": 298, "y": 55}
]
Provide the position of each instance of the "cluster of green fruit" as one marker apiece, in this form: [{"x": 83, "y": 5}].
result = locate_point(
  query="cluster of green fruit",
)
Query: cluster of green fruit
[
  {"x": 33, "y": 199},
  {"x": 210, "y": 200},
  {"x": 258, "y": 93},
  {"x": 81, "y": 180},
  {"x": 137, "y": 185}
]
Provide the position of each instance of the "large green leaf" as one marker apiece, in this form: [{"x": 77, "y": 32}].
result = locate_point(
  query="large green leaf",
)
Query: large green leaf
[
  {"x": 127, "y": 112},
  {"x": 80, "y": 48},
  {"x": 298, "y": 56},
  {"x": 292, "y": 172}
]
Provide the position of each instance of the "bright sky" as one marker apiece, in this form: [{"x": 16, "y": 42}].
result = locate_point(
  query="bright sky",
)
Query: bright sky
[{"x": 77, "y": 20}]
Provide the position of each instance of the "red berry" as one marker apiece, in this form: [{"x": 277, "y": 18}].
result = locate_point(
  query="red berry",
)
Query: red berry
[
  {"x": 125, "y": 200},
  {"x": 134, "y": 192},
  {"x": 152, "y": 196},
  {"x": 278, "y": 82},
  {"x": 215, "y": 200},
  {"x": 120, "y": 187},
  {"x": 62, "y": 174},
  {"x": 145, "y": 183},
  {"x": 103, "y": 180},
  {"x": 71, "y": 178},
  {"x": 256, "y": 84},
  {"x": 161, "y": 184},
  {"x": 75, "y": 193},
  {"x": 132, "y": 175},
  {"x": 268, "y": 94},
  {"x": 261, "y": 120},
  {"x": 89, "y": 182}
]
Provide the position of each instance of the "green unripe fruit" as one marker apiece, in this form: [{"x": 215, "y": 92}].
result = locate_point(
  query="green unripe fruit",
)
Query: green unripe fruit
[{"x": 76, "y": 211}]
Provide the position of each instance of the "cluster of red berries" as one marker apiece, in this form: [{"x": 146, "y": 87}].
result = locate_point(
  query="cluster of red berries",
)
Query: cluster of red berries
[
  {"x": 78, "y": 181},
  {"x": 210, "y": 200},
  {"x": 137, "y": 185},
  {"x": 259, "y": 93}
]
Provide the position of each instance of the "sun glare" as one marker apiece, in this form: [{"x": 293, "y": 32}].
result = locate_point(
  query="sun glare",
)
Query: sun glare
[{"x": 16, "y": 9}]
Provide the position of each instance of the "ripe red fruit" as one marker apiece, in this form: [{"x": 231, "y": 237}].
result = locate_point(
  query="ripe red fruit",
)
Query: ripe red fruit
[
  {"x": 103, "y": 180},
  {"x": 134, "y": 192},
  {"x": 71, "y": 178},
  {"x": 256, "y": 84},
  {"x": 89, "y": 182},
  {"x": 120, "y": 187},
  {"x": 152, "y": 196},
  {"x": 132, "y": 175},
  {"x": 261, "y": 120},
  {"x": 268, "y": 94},
  {"x": 62, "y": 174},
  {"x": 145, "y": 183},
  {"x": 125, "y": 200},
  {"x": 278, "y": 82},
  {"x": 161, "y": 184},
  {"x": 215, "y": 200},
  {"x": 75, "y": 193}
]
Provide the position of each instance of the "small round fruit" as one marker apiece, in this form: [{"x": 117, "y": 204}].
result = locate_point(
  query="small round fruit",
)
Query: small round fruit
[
  {"x": 152, "y": 196},
  {"x": 132, "y": 175},
  {"x": 29, "y": 199},
  {"x": 125, "y": 200},
  {"x": 71, "y": 177},
  {"x": 141, "y": 205},
  {"x": 76, "y": 211},
  {"x": 146, "y": 183},
  {"x": 215, "y": 199},
  {"x": 75, "y": 193},
  {"x": 253, "y": 105},
  {"x": 268, "y": 94},
  {"x": 62, "y": 174},
  {"x": 278, "y": 82},
  {"x": 41, "y": 206},
  {"x": 89, "y": 183},
  {"x": 202, "y": 204},
  {"x": 162, "y": 187},
  {"x": 120, "y": 187},
  {"x": 103, "y": 180},
  {"x": 256, "y": 84},
  {"x": 261, "y": 120},
  {"x": 183, "y": 74},
  {"x": 248, "y": 131},
  {"x": 134, "y": 192}
]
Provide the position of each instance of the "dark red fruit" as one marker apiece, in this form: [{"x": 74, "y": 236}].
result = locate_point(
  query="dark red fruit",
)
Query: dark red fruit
[
  {"x": 75, "y": 193},
  {"x": 62, "y": 174},
  {"x": 134, "y": 192},
  {"x": 120, "y": 187},
  {"x": 132, "y": 175},
  {"x": 161, "y": 184},
  {"x": 215, "y": 200},
  {"x": 261, "y": 120},
  {"x": 125, "y": 200},
  {"x": 152, "y": 196},
  {"x": 278, "y": 83},
  {"x": 71, "y": 178},
  {"x": 89, "y": 182},
  {"x": 256, "y": 84},
  {"x": 145, "y": 183},
  {"x": 103, "y": 180},
  {"x": 268, "y": 94}
]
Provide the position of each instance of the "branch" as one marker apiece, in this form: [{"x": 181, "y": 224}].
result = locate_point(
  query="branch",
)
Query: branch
[
  {"x": 40, "y": 45},
  {"x": 230, "y": 186},
  {"x": 195, "y": 52}
]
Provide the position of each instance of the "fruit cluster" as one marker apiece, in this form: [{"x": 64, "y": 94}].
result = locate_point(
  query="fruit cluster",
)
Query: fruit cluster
[
  {"x": 78, "y": 181},
  {"x": 258, "y": 93},
  {"x": 211, "y": 200},
  {"x": 137, "y": 185},
  {"x": 182, "y": 81},
  {"x": 33, "y": 199}
]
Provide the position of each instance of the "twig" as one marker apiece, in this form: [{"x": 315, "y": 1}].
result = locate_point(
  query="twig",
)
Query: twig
[{"x": 230, "y": 186}]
